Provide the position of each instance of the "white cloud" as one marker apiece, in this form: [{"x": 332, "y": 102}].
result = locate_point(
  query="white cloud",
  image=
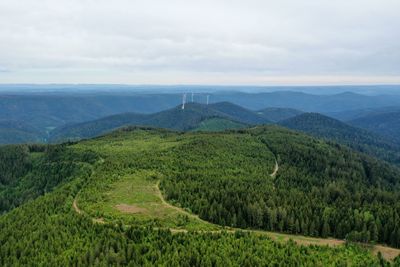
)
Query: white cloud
[{"x": 175, "y": 41}]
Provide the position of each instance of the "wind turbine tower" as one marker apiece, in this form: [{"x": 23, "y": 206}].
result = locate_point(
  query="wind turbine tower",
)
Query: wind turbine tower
[{"x": 183, "y": 100}]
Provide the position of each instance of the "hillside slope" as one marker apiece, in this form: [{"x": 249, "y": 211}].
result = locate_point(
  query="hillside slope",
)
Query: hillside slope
[
  {"x": 361, "y": 140},
  {"x": 278, "y": 114},
  {"x": 17, "y": 132},
  {"x": 308, "y": 102},
  {"x": 176, "y": 118},
  {"x": 239, "y": 113},
  {"x": 45, "y": 108},
  {"x": 386, "y": 124},
  {"x": 349, "y": 115}
]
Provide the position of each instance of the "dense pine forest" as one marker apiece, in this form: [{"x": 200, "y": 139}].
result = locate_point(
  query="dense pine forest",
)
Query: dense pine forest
[
  {"x": 97, "y": 202},
  {"x": 320, "y": 189},
  {"x": 385, "y": 123},
  {"x": 28, "y": 171},
  {"x": 361, "y": 140}
]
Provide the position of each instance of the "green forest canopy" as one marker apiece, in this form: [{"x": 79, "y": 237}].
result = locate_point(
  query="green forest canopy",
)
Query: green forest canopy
[{"x": 321, "y": 189}]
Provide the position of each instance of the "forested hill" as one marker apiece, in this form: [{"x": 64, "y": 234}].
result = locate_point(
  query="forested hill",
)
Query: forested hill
[
  {"x": 176, "y": 118},
  {"x": 239, "y": 113},
  {"x": 384, "y": 123},
  {"x": 51, "y": 106},
  {"x": 349, "y": 115},
  {"x": 359, "y": 139},
  {"x": 28, "y": 171},
  {"x": 332, "y": 182},
  {"x": 278, "y": 114},
  {"x": 106, "y": 207},
  {"x": 19, "y": 132}
]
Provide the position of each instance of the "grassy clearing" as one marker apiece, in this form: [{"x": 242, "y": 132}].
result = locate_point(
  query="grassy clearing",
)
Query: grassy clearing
[
  {"x": 135, "y": 199},
  {"x": 124, "y": 188}
]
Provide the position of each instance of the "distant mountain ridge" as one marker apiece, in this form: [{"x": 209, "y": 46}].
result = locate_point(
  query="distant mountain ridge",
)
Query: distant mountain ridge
[
  {"x": 176, "y": 118},
  {"x": 279, "y": 114},
  {"x": 309, "y": 102},
  {"x": 46, "y": 110},
  {"x": 20, "y": 132},
  {"x": 238, "y": 113},
  {"x": 349, "y": 115}
]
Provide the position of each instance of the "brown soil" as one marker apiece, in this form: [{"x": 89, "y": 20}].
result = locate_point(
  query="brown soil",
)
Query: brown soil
[
  {"x": 321, "y": 242},
  {"x": 76, "y": 207},
  {"x": 276, "y": 169},
  {"x": 387, "y": 252},
  {"x": 129, "y": 208}
]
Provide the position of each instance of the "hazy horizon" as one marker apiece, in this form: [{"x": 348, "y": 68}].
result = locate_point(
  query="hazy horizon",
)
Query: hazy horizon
[{"x": 370, "y": 90}]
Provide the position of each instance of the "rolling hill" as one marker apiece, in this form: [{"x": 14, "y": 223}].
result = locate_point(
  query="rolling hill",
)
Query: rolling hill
[
  {"x": 308, "y": 102},
  {"x": 386, "y": 124},
  {"x": 142, "y": 196},
  {"x": 278, "y": 114},
  {"x": 349, "y": 115},
  {"x": 48, "y": 107},
  {"x": 239, "y": 113},
  {"x": 359, "y": 139},
  {"x": 176, "y": 118},
  {"x": 17, "y": 132}
]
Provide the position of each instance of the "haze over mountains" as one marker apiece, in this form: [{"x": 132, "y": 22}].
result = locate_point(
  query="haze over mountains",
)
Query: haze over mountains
[
  {"x": 191, "y": 117},
  {"x": 56, "y": 115},
  {"x": 176, "y": 118},
  {"x": 384, "y": 123}
]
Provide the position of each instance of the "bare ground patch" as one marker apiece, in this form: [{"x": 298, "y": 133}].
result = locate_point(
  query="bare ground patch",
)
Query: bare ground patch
[
  {"x": 75, "y": 205},
  {"x": 387, "y": 252},
  {"x": 129, "y": 208}
]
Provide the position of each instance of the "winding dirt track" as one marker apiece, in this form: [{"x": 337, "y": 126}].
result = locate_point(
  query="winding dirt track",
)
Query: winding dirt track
[
  {"x": 276, "y": 169},
  {"x": 75, "y": 205},
  {"x": 191, "y": 215},
  {"x": 159, "y": 194},
  {"x": 387, "y": 252}
]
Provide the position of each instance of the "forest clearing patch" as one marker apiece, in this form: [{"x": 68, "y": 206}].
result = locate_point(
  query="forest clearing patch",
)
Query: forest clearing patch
[
  {"x": 129, "y": 208},
  {"x": 387, "y": 252}
]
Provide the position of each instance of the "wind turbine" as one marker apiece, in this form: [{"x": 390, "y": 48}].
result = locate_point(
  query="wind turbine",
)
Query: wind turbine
[{"x": 183, "y": 100}]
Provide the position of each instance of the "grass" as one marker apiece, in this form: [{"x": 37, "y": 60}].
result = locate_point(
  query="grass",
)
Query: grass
[
  {"x": 119, "y": 192},
  {"x": 135, "y": 199}
]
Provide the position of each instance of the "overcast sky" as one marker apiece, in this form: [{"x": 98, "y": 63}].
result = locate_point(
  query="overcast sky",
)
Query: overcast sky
[{"x": 200, "y": 42}]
